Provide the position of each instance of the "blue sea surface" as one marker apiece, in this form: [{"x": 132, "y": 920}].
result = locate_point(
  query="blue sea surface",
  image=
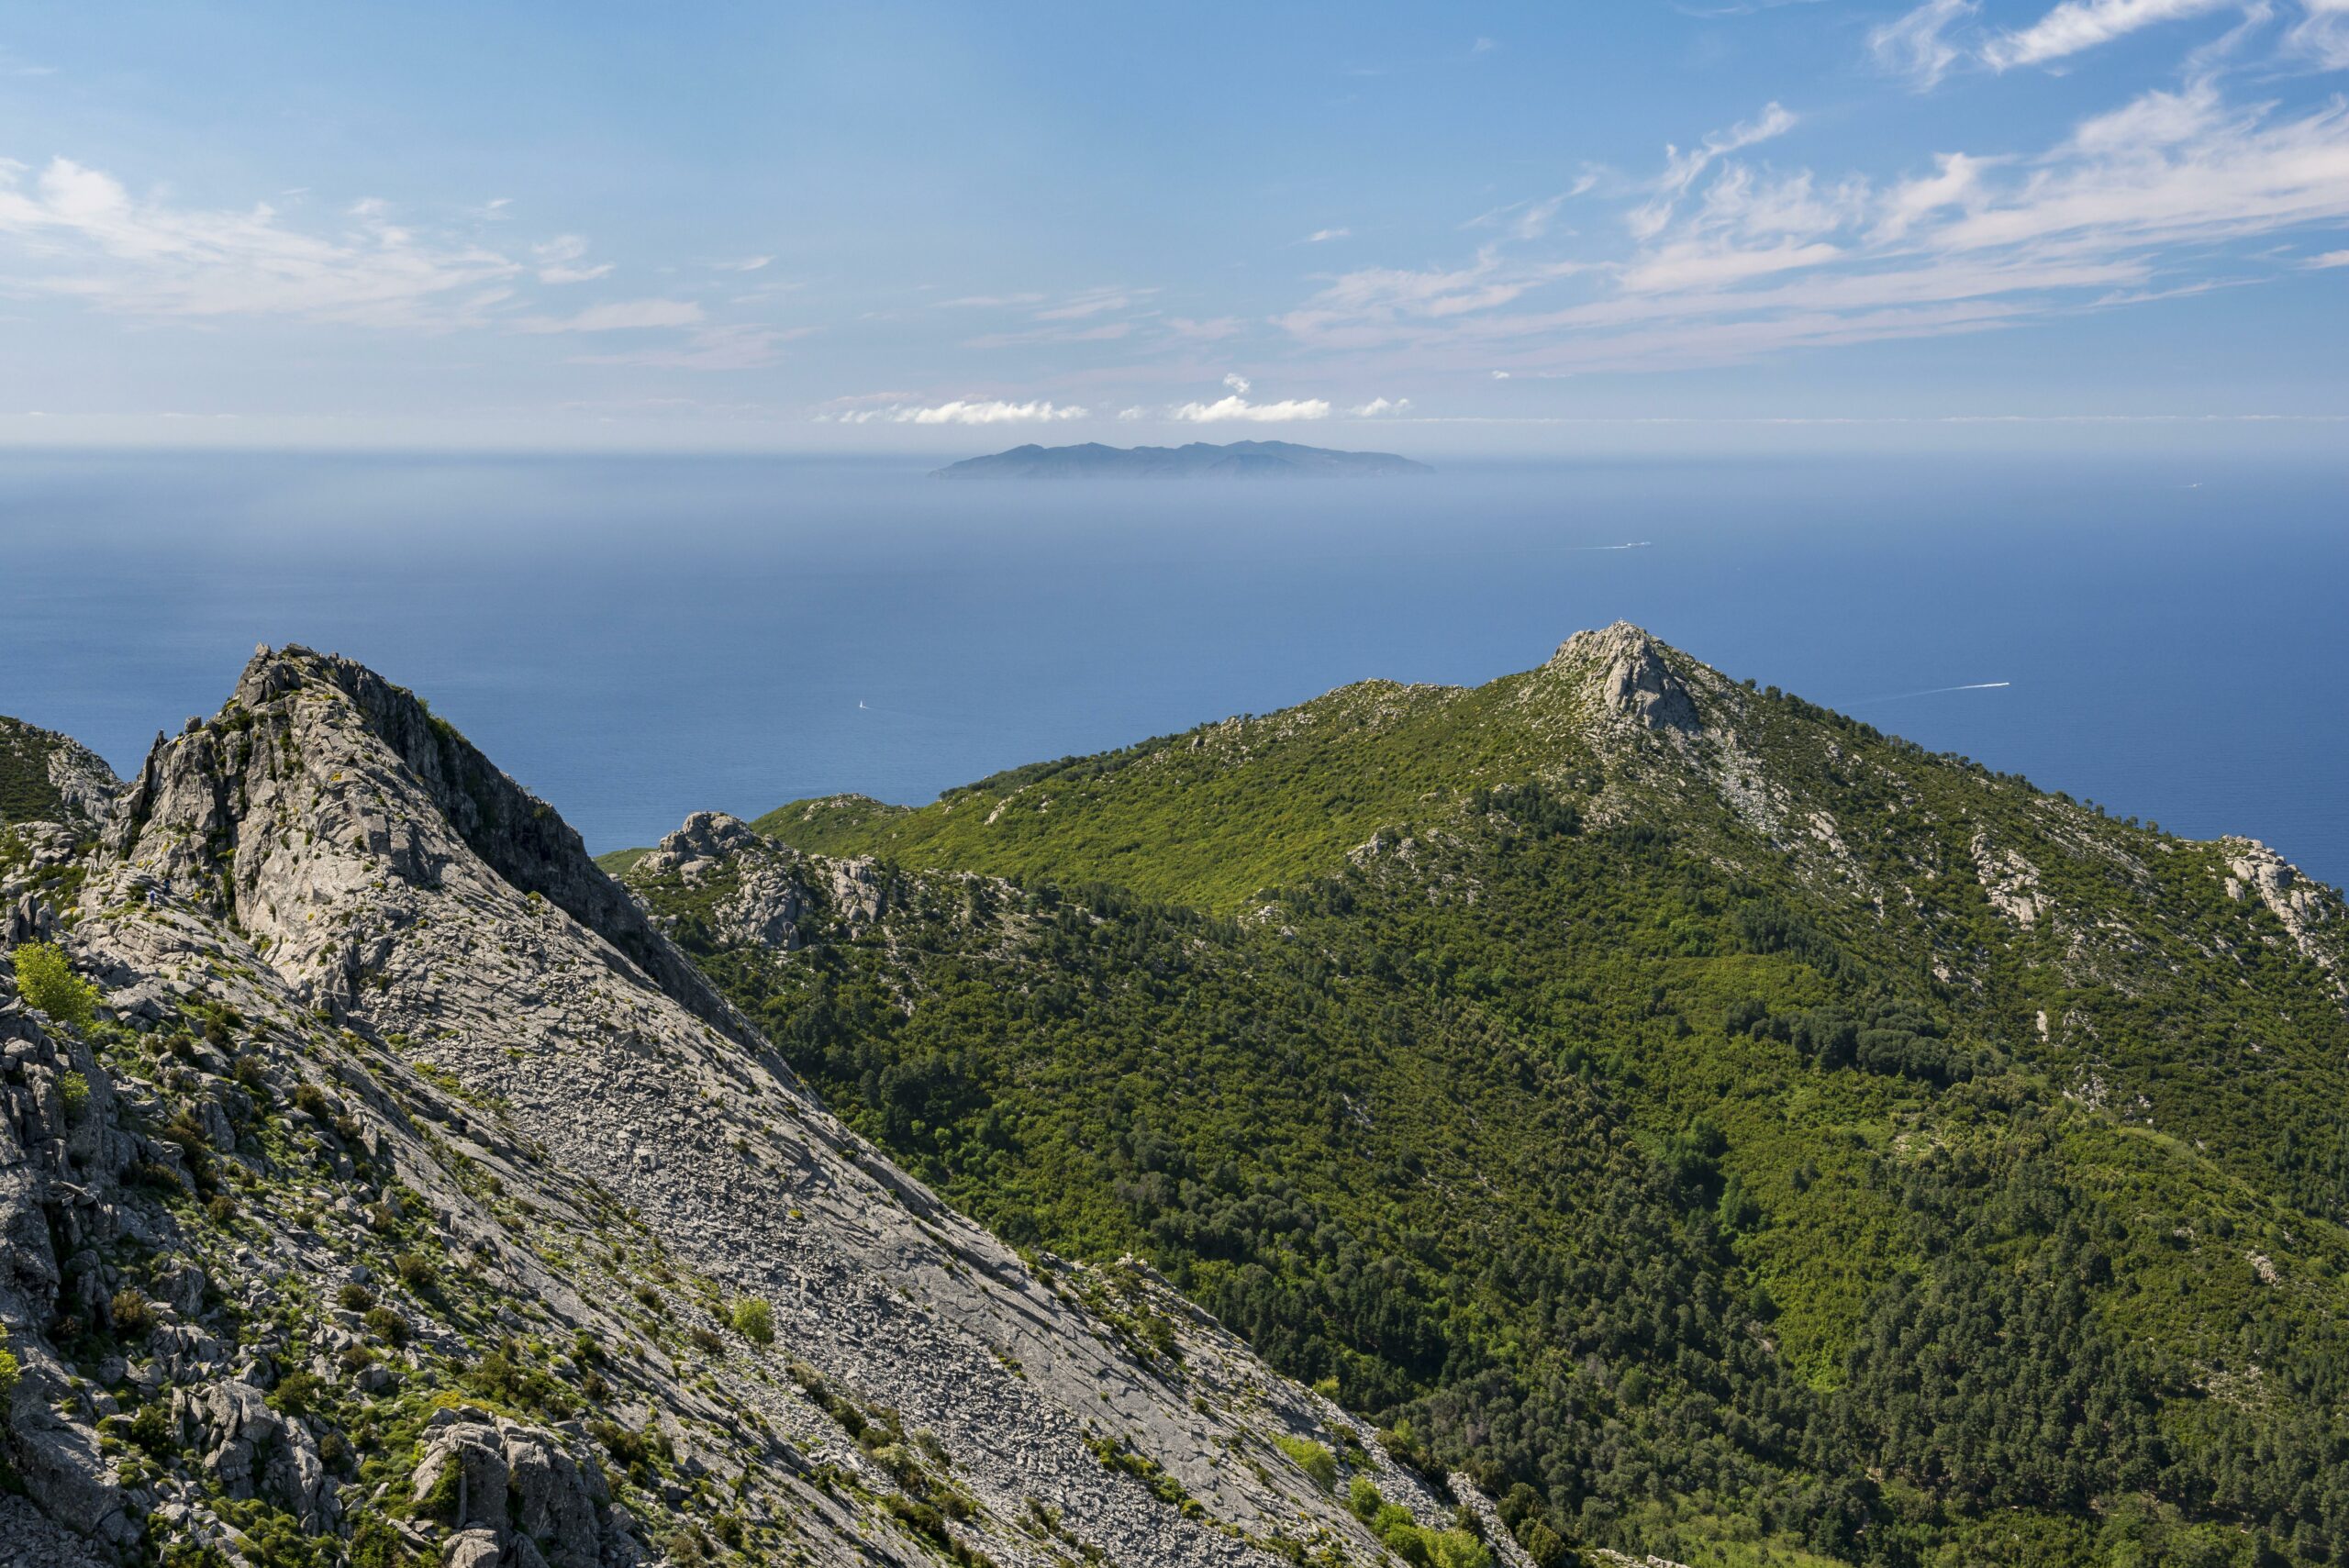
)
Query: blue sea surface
[{"x": 635, "y": 637}]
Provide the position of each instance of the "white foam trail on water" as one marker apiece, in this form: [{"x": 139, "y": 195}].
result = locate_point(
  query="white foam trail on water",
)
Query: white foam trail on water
[
  {"x": 1937, "y": 691},
  {"x": 1635, "y": 544}
]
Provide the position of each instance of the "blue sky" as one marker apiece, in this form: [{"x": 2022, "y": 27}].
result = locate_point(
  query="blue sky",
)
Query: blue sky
[{"x": 912, "y": 227}]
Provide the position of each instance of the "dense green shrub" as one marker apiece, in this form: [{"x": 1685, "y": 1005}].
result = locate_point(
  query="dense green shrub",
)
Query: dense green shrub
[
  {"x": 754, "y": 1319},
  {"x": 45, "y": 979}
]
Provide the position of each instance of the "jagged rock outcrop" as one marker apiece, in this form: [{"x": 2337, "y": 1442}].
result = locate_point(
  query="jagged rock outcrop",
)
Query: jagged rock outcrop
[
  {"x": 765, "y": 896},
  {"x": 516, "y": 1492},
  {"x": 2300, "y": 907},
  {"x": 1631, "y": 678}
]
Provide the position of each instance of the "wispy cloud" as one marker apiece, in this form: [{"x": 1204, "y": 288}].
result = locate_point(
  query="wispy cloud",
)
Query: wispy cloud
[
  {"x": 1681, "y": 169},
  {"x": 77, "y": 232},
  {"x": 962, "y": 411},
  {"x": 2078, "y": 24},
  {"x": 2321, "y": 34},
  {"x": 1749, "y": 261},
  {"x": 1092, "y": 302},
  {"x": 1528, "y": 219},
  {"x": 1102, "y": 332},
  {"x": 1203, "y": 331},
  {"x": 2330, "y": 259},
  {"x": 1917, "y": 45},
  {"x": 617, "y": 315},
  {"x": 1321, "y": 236},
  {"x": 1927, "y": 43},
  {"x": 1364, "y": 306},
  {"x": 746, "y": 264},
  {"x": 1379, "y": 405},
  {"x": 735, "y": 348},
  {"x": 559, "y": 260}
]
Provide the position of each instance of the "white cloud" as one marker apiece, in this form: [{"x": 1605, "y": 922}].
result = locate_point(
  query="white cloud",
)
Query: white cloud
[
  {"x": 2126, "y": 208},
  {"x": 2322, "y": 34},
  {"x": 1237, "y": 382},
  {"x": 2078, "y": 24},
  {"x": 1956, "y": 182},
  {"x": 2330, "y": 259},
  {"x": 1238, "y": 408},
  {"x": 747, "y": 264},
  {"x": 1681, "y": 169},
  {"x": 1362, "y": 306},
  {"x": 80, "y": 234},
  {"x": 961, "y": 412},
  {"x": 617, "y": 315},
  {"x": 1917, "y": 45},
  {"x": 1320, "y": 235},
  {"x": 557, "y": 260},
  {"x": 1379, "y": 406},
  {"x": 1131, "y": 414}
]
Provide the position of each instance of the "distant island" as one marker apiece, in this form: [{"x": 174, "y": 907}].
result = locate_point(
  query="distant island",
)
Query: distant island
[{"x": 1240, "y": 459}]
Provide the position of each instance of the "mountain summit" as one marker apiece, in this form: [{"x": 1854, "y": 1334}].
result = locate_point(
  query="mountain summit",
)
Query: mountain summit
[{"x": 1714, "y": 1125}]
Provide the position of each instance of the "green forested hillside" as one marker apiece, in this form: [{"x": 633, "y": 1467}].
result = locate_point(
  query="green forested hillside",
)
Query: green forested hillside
[{"x": 1726, "y": 1130}]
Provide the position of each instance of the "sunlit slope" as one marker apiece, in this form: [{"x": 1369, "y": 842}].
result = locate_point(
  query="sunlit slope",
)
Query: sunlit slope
[{"x": 1723, "y": 1121}]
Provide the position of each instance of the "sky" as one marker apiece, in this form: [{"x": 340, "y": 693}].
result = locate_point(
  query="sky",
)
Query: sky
[{"x": 887, "y": 226}]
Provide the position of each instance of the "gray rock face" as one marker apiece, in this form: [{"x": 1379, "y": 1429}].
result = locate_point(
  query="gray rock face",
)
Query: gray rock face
[
  {"x": 252, "y": 1452},
  {"x": 205, "y": 781},
  {"x": 1631, "y": 679},
  {"x": 51, "y": 1174},
  {"x": 2298, "y": 906},
  {"x": 513, "y": 1487},
  {"x": 765, "y": 894}
]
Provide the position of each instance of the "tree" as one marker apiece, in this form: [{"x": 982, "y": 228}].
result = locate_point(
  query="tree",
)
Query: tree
[{"x": 45, "y": 979}]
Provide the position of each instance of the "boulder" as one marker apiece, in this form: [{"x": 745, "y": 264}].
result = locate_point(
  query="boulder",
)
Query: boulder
[{"x": 516, "y": 1488}]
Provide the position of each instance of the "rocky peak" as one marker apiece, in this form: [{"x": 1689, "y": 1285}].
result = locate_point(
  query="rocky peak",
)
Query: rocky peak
[
  {"x": 318, "y": 776},
  {"x": 706, "y": 838},
  {"x": 1628, "y": 676}
]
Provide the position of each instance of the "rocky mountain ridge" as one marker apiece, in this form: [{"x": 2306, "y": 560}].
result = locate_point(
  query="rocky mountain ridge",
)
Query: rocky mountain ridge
[{"x": 381, "y": 1187}]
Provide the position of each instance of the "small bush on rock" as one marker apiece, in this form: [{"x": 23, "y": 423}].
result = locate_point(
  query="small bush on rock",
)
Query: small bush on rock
[
  {"x": 754, "y": 1320},
  {"x": 133, "y": 1315},
  {"x": 45, "y": 979}
]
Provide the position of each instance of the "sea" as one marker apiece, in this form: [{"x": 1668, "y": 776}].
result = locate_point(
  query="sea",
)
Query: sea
[{"x": 635, "y": 637}]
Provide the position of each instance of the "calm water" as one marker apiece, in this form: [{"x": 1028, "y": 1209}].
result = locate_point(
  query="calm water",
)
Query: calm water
[{"x": 637, "y": 637}]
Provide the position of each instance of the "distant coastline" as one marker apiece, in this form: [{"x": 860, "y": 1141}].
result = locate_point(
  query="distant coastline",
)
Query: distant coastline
[{"x": 1199, "y": 460}]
